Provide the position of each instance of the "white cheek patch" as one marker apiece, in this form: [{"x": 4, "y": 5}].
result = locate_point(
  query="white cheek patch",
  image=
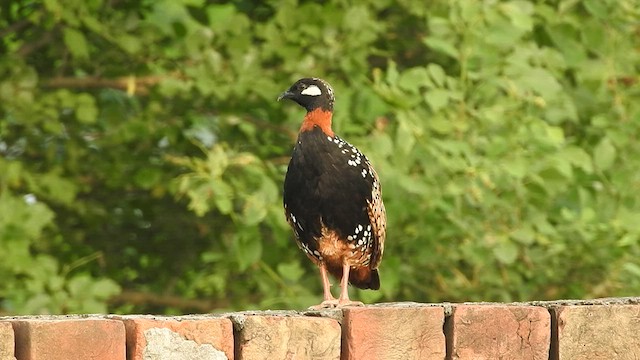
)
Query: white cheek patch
[{"x": 312, "y": 90}]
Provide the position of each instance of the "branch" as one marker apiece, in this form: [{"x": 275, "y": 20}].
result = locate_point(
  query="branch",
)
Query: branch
[
  {"x": 131, "y": 84},
  {"x": 28, "y": 48},
  {"x": 623, "y": 80},
  {"x": 15, "y": 27}
]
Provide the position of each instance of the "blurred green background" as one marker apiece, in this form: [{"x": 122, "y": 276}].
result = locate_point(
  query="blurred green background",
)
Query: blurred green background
[{"x": 142, "y": 152}]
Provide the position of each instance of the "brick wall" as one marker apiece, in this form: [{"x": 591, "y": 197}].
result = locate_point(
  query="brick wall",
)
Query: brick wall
[{"x": 593, "y": 330}]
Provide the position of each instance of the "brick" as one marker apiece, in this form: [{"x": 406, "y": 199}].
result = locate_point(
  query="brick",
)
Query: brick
[
  {"x": 63, "y": 339},
  {"x": 6, "y": 341},
  {"x": 393, "y": 332},
  {"x": 191, "y": 338},
  {"x": 286, "y": 337},
  {"x": 499, "y": 332},
  {"x": 597, "y": 332}
]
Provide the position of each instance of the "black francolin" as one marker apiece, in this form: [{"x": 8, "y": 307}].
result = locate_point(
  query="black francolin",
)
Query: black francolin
[{"x": 332, "y": 198}]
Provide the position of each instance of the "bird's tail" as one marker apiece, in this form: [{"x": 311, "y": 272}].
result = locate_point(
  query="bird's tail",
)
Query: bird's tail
[{"x": 365, "y": 278}]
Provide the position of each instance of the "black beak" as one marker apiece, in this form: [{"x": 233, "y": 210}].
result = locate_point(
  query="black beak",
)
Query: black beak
[{"x": 285, "y": 95}]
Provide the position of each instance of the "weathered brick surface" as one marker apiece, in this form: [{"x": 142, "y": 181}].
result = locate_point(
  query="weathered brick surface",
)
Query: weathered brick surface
[
  {"x": 499, "y": 332},
  {"x": 286, "y": 337},
  {"x": 596, "y": 329},
  {"x": 393, "y": 332},
  {"x": 597, "y": 332},
  {"x": 190, "y": 338},
  {"x": 64, "y": 339},
  {"x": 6, "y": 341}
]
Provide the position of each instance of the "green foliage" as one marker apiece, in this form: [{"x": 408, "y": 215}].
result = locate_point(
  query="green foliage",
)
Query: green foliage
[
  {"x": 142, "y": 151},
  {"x": 36, "y": 282}
]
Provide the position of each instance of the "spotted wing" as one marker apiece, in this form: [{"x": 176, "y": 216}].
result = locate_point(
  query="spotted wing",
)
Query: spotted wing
[{"x": 378, "y": 220}]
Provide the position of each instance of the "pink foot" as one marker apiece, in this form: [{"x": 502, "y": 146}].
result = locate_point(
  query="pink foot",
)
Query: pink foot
[
  {"x": 327, "y": 304},
  {"x": 347, "y": 302}
]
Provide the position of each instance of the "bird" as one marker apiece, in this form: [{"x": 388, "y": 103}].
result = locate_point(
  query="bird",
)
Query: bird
[{"x": 332, "y": 198}]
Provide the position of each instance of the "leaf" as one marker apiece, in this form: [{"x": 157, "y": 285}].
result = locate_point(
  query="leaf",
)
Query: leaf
[
  {"x": 79, "y": 285},
  {"x": 220, "y": 16},
  {"x": 632, "y": 268},
  {"x": 147, "y": 177},
  {"x": 104, "y": 289},
  {"x": 565, "y": 38},
  {"x": 357, "y": 18},
  {"x": 248, "y": 249},
  {"x": 524, "y": 235},
  {"x": 503, "y": 34},
  {"x": 53, "y": 6},
  {"x": 442, "y": 46},
  {"x": 506, "y": 252},
  {"x": 76, "y": 43},
  {"x": 26, "y": 220},
  {"x": 199, "y": 197},
  {"x": 86, "y": 109},
  {"x": 291, "y": 271},
  {"x": 520, "y": 14},
  {"x": 392, "y": 72},
  {"x": 222, "y": 195},
  {"x": 414, "y": 79},
  {"x": 437, "y": 99},
  {"x": 203, "y": 134},
  {"x": 384, "y": 145},
  {"x": 128, "y": 43},
  {"x": 604, "y": 155},
  {"x": 56, "y": 187},
  {"x": 405, "y": 139},
  {"x": 541, "y": 81},
  {"x": 597, "y": 7},
  {"x": 437, "y": 74},
  {"x": 412, "y": 185},
  {"x": 440, "y": 124},
  {"x": 255, "y": 210},
  {"x": 629, "y": 220},
  {"x": 555, "y": 135},
  {"x": 579, "y": 158},
  {"x": 517, "y": 167}
]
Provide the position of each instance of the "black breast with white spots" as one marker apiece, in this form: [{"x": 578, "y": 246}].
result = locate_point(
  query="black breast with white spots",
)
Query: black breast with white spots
[{"x": 330, "y": 183}]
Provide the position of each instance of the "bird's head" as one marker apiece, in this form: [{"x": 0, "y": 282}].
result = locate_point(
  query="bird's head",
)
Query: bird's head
[{"x": 311, "y": 94}]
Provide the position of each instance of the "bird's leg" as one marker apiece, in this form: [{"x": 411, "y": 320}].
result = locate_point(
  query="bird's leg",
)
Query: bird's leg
[
  {"x": 326, "y": 285},
  {"x": 344, "y": 288},
  {"x": 329, "y": 300}
]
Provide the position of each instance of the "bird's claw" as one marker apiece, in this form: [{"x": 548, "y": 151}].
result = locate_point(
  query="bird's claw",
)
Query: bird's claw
[
  {"x": 350, "y": 303},
  {"x": 327, "y": 304},
  {"x": 335, "y": 303}
]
